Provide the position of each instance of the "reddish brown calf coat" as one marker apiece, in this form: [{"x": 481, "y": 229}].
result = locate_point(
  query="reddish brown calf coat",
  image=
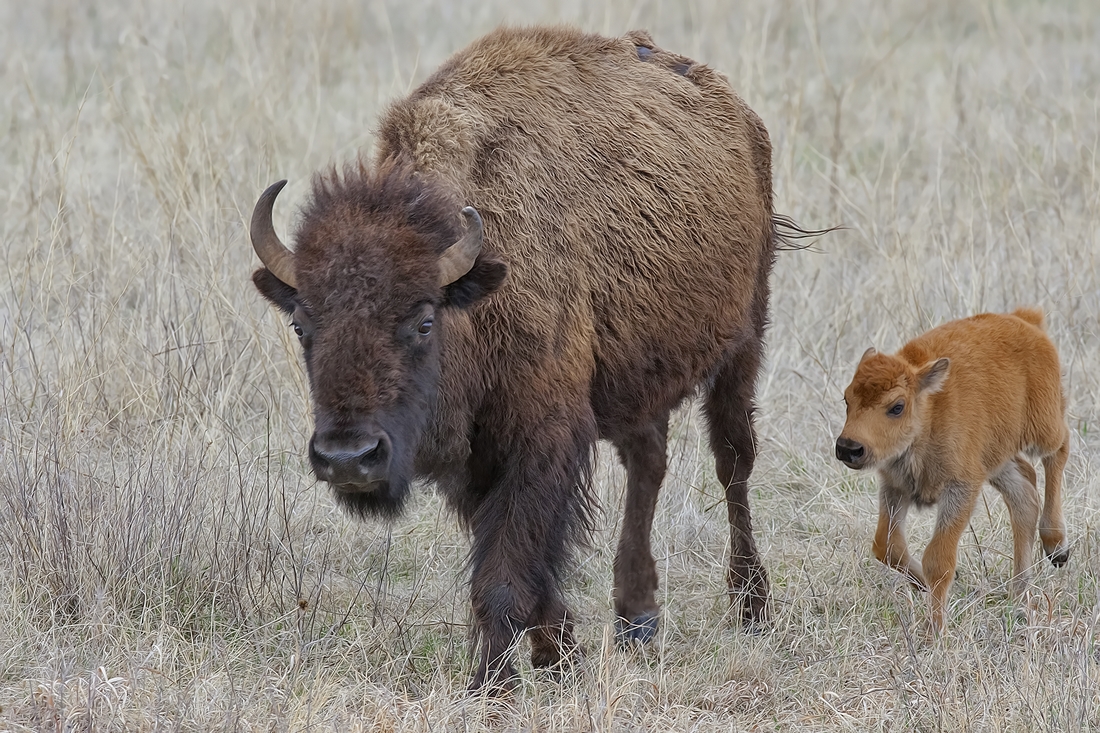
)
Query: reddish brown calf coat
[
  {"x": 963, "y": 404},
  {"x": 626, "y": 192}
]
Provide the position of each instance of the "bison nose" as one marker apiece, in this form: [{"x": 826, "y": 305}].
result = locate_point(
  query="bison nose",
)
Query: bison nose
[
  {"x": 850, "y": 452},
  {"x": 353, "y": 461}
]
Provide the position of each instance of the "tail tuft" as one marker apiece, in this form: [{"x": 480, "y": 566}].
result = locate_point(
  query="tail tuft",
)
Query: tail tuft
[
  {"x": 1034, "y": 316},
  {"x": 784, "y": 230}
]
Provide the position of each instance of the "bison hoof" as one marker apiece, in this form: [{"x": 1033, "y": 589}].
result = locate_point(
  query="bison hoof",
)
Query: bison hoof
[
  {"x": 640, "y": 630},
  {"x": 755, "y": 618},
  {"x": 1060, "y": 558}
]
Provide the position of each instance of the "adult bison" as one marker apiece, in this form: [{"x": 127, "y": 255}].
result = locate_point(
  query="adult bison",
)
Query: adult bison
[{"x": 611, "y": 258}]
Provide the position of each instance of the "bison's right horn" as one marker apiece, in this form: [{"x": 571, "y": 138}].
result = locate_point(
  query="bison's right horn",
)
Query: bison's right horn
[
  {"x": 272, "y": 252},
  {"x": 457, "y": 260}
]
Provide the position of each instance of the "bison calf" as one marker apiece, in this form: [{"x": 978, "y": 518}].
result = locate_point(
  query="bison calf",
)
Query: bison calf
[{"x": 956, "y": 407}]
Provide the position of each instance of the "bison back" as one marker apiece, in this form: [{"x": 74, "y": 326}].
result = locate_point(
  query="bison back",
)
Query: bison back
[{"x": 628, "y": 188}]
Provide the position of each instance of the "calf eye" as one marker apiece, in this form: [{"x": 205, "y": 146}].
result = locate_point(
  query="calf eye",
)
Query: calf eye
[
  {"x": 425, "y": 326},
  {"x": 896, "y": 409}
]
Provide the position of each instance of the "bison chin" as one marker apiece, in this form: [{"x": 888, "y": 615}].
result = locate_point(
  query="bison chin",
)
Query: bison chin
[{"x": 385, "y": 500}]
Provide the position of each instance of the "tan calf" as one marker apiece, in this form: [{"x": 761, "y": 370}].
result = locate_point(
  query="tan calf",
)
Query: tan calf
[{"x": 958, "y": 406}]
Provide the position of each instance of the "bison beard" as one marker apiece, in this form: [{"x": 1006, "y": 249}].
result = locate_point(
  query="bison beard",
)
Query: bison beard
[{"x": 618, "y": 266}]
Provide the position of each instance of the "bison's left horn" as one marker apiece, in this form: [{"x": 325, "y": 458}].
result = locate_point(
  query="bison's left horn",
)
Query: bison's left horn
[
  {"x": 272, "y": 252},
  {"x": 457, "y": 260}
]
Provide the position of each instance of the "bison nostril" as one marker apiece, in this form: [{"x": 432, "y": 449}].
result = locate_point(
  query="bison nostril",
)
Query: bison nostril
[{"x": 371, "y": 453}]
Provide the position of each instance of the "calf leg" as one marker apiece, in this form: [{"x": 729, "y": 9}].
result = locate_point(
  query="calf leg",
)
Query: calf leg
[
  {"x": 956, "y": 504},
  {"x": 1052, "y": 525},
  {"x": 636, "y": 609},
  {"x": 729, "y": 410},
  {"x": 890, "y": 546},
  {"x": 1015, "y": 481}
]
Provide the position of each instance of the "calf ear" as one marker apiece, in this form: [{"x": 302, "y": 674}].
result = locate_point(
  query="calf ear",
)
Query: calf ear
[
  {"x": 932, "y": 376},
  {"x": 484, "y": 278},
  {"x": 867, "y": 354},
  {"x": 278, "y": 292}
]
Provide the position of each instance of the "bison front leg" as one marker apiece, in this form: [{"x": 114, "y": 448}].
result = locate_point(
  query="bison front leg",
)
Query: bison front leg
[
  {"x": 890, "y": 547},
  {"x": 956, "y": 504},
  {"x": 522, "y": 529}
]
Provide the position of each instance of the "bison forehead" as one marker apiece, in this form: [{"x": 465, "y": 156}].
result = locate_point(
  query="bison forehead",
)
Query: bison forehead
[
  {"x": 373, "y": 238},
  {"x": 876, "y": 376}
]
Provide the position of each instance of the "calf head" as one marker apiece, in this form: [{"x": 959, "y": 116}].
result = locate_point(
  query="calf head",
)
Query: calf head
[
  {"x": 381, "y": 261},
  {"x": 887, "y": 402}
]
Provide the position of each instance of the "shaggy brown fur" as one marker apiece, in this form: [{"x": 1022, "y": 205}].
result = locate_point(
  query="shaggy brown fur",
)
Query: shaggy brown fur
[
  {"x": 958, "y": 406},
  {"x": 626, "y": 192}
]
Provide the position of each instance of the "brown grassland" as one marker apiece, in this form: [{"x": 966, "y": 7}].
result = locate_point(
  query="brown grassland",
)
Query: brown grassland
[{"x": 167, "y": 561}]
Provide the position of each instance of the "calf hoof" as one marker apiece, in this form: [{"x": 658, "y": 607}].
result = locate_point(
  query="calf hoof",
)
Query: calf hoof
[
  {"x": 1059, "y": 558},
  {"x": 640, "y": 630}
]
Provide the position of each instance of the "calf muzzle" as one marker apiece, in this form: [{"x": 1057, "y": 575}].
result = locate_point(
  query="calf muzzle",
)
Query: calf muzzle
[{"x": 850, "y": 453}]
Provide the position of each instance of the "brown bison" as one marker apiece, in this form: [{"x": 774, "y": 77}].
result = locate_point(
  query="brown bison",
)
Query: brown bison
[
  {"x": 611, "y": 259},
  {"x": 958, "y": 406}
]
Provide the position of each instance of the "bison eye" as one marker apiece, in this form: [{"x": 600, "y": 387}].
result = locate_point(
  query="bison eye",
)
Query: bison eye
[
  {"x": 425, "y": 326},
  {"x": 298, "y": 330},
  {"x": 896, "y": 409}
]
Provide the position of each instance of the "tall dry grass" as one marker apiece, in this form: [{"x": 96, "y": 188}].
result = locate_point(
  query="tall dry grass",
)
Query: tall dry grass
[{"x": 166, "y": 561}]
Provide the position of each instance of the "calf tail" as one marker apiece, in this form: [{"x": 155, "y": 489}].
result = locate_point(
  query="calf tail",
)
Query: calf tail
[{"x": 1034, "y": 316}]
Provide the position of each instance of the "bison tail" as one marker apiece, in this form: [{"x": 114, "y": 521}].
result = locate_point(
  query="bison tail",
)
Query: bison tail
[
  {"x": 1034, "y": 316},
  {"x": 787, "y": 235}
]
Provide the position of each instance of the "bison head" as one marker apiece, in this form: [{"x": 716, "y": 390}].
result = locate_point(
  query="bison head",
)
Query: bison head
[
  {"x": 886, "y": 403},
  {"x": 380, "y": 265}
]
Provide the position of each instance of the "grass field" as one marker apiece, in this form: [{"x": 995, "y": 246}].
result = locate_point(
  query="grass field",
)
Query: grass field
[{"x": 170, "y": 564}]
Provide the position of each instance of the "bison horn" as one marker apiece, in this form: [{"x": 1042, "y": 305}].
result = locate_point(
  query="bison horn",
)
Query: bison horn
[
  {"x": 272, "y": 252},
  {"x": 457, "y": 260}
]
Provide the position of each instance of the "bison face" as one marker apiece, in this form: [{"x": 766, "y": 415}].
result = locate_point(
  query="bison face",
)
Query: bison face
[
  {"x": 369, "y": 291},
  {"x": 886, "y": 402}
]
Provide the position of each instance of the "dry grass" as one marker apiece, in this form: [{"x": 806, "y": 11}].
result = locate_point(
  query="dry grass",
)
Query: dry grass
[{"x": 167, "y": 561}]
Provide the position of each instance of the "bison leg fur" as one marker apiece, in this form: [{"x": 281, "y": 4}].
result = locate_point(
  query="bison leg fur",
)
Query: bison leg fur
[
  {"x": 1015, "y": 481},
  {"x": 956, "y": 504},
  {"x": 636, "y": 609},
  {"x": 890, "y": 546},
  {"x": 1052, "y": 525},
  {"x": 729, "y": 410},
  {"x": 522, "y": 529},
  {"x": 553, "y": 646}
]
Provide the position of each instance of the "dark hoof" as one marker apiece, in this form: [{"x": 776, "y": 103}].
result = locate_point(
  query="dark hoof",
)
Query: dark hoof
[
  {"x": 754, "y": 612},
  {"x": 640, "y": 630},
  {"x": 493, "y": 683},
  {"x": 1060, "y": 558}
]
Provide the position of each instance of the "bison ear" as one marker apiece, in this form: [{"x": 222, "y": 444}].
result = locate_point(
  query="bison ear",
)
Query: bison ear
[
  {"x": 281, "y": 295},
  {"x": 932, "y": 376},
  {"x": 867, "y": 354},
  {"x": 484, "y": 278}
]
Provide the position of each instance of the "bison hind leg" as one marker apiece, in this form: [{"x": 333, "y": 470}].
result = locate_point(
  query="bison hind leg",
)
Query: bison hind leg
[
  {"x": 1052, "y": 524},
  {"x": 729, "y": 410},
  {"x": 643, "y": 453}
]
